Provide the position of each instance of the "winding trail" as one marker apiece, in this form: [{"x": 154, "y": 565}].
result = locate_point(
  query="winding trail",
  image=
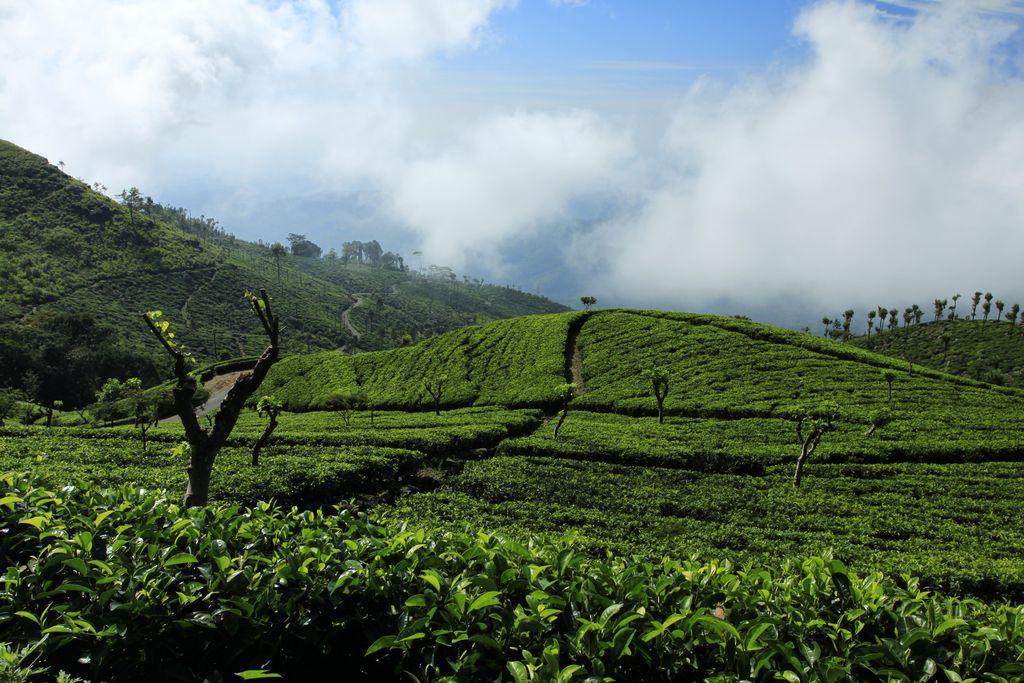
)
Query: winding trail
[
  {"x": 188, "y": 299},
  {"x": 218, "y": 387},
  {"x": 359, "y": 299},
  {"x": 104, "y": 279},
  {"x": 574, "y": 358}
]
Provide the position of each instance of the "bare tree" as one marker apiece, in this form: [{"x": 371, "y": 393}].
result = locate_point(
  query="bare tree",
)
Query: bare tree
[
  {"x": 818, "y": 422},
  {"x": 659, "y": 385},
  {"x": 268, "y": 407},
  {"x": 205, "y": 444},
  {"x": 435, "y": 387},
  {"x": 566, "y": 393}
]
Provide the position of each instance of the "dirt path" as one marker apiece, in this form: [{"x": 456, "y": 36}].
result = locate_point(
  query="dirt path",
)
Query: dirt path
[
  {"x": 574, "y": 358},
  {"x": 111, "y": 278},
  {"x": 188, "y": 300},
  {"x": 218, "y": 387},
  {"x": 577, "y": 369},
  {"x": 359, "y": 298}
]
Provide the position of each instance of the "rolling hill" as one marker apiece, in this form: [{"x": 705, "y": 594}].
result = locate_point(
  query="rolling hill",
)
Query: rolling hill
[
  {"x": 716, "y": 476},
  {"x": 73, "y": 259},
  {"x": 990, "y": 351},
  {"x": 459, "y": 565}
]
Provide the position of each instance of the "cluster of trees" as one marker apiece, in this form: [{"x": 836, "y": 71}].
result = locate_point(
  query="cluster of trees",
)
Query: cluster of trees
[
  {"x": 836, "y": 328},
  {"x": 368, "y": 253},
  {"x": 137, "y": 202},
  {"x": 882, "y": 318},
  {"x": 60, "y": 360}
]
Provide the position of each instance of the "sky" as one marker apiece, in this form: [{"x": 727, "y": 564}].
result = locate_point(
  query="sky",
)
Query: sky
[{"x": 735, "y": 156}]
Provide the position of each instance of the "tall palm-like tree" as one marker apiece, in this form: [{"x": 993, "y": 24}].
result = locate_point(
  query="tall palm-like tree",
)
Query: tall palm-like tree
[
  {"x": 847, "y": 321},
  {"x": 1012, "y": 316},
  {"x": 974, "y": 305},
  {"x": 952, "y": 309},
  {"x": 278, "y": 251}
]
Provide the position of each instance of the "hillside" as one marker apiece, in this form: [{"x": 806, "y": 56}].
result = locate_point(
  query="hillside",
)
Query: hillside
[
  {"x": 990, "y": 351},
  {"x": 77, "y": 269},
  {"x": 692, "y": 530},
  {"x": 726, "y": 451}
]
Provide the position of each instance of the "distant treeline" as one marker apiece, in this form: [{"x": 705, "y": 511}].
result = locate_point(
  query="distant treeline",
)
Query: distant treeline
[{"x": 882, "y": 318}]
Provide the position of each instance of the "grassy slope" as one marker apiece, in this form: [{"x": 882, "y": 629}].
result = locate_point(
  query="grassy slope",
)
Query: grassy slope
[
  {"x": 66, "y": 247},
  {"x": 718, "y": 367},
  {"x": 928, "y": 492},
  {"x": 517, "y": 362},
  {"x": 988, "y": 351}
]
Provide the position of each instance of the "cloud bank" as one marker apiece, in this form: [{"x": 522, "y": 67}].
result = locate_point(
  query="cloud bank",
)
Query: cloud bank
[
  {"x": 509, "y": 174},
  {"x": 887, "y": 164}
]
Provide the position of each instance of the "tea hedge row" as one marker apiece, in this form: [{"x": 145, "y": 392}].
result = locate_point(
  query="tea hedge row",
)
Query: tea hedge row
[
  {"x": 748, "y": 445},
  {"x": 724, "y": 368},
  {"x": 448, "y": 433},
  {"x": 445, "y": 434},
  {"x": 958, "y": 526},
  {"x": 125, "y": 585},
  {"x": 518, "y": 362},
  {"x": 301, "y": 475}
]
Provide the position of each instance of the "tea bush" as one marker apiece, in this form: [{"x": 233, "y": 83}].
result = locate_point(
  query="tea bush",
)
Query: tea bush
[{"x": 126, "y": 585}]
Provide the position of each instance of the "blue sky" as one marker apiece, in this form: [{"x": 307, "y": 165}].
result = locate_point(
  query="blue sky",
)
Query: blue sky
[
  {"x": 692, "y": 33},
  {"x": 694, "y": 154}
]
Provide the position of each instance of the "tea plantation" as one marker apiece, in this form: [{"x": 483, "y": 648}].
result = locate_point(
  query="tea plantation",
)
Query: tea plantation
[{"x": 474, "y": 545}]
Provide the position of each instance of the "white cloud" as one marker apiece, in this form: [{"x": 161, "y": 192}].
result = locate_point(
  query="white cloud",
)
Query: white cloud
[
  {"x": 138, "y": 91},
  {"x": 510, "y": 174},
  {"x": 1005, "y": 7},
  {"x": 888, "y": 166},
  {"x": 408, "y": 30}
]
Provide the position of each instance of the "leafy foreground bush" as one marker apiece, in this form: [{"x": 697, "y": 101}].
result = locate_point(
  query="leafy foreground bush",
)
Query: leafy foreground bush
[{"x": 122, "y": 584}]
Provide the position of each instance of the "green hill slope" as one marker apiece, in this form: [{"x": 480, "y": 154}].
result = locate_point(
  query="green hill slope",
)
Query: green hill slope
[
  {"x": 932, "y": 490},
  {"x": 930, "y": 498},
  {"x": 991, "y": 351},
  {"x": 69, "y": 254},
  {"x": 517, "y": 362},
  {"x": 718, "y": 367}
]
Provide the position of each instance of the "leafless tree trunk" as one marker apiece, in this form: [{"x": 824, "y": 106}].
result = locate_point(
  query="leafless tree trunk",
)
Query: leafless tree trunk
[
  {"x": 206, "y": 443},
  {"x": 263, "y": 440}
]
